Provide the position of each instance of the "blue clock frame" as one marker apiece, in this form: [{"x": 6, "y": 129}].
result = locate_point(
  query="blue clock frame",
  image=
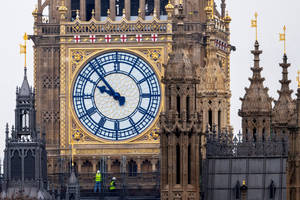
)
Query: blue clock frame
[{"x": 96, "y": 70}]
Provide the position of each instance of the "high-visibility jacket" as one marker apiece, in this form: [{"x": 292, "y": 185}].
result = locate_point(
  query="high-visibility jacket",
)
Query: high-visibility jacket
[
  {"x": 98, "y": 177},
  {"x": 112, "y": 185}
]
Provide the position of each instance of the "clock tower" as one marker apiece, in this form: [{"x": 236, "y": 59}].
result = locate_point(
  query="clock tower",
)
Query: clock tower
[{"x": 98, "y": 73}]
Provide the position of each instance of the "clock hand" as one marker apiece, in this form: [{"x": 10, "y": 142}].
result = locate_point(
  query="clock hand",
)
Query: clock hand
[
  {"x": 116, "y": 95},
  {"x": 103, "y": 89},
  {"x": 108, "y": 86}
]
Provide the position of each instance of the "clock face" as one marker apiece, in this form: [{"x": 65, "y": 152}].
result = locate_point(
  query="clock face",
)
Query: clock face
[{"x": 116, "y": 96}]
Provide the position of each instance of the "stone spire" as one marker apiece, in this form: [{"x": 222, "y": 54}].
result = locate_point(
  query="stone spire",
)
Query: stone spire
[
  {"x": 25, "y": 88},
  {"x": 179, "y": 66},
  {"x": 256, "y": 104},
  {"x": 284, "y": 106}
]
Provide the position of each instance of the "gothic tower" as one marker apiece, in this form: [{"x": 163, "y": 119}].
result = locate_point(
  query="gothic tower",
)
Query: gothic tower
[
  {"x": 256, "y": 104},
  {"x": 293, "y": 162},
  {"x": 214, "y": 70},
  {"x": 180, "y": 124},
  {"x": 70, "y": 36},
  {"x": 284, "y": 107},
  {"x": 25, "y": 157}
]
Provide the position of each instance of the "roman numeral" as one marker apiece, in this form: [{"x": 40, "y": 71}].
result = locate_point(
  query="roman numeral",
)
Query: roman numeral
[
  {"x": 132, "y": 124},
  {"x": 144, "y": 79},
  {"x": 102, "y": 122},
  {"x": 146, "y": 95},
  {"x": 99, "y": 70},
  {"x": 91, "y": 111},
  {"x": 142, "y": 110},
  {"x": 117, "y": 66}
]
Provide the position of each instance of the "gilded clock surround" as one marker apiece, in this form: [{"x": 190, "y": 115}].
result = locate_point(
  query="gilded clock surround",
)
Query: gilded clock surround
[{"x": 78, "y": 57}]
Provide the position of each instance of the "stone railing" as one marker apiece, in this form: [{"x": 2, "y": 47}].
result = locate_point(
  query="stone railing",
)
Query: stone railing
[
  {"x": 229, "y": 145},
  {"x": 49, "y": 29},
  {"x": 118, "y": 27}
]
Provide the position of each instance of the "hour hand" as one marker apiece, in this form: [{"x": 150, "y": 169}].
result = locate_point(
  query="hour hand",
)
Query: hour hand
[
  {"x": 115, "y": 95},
  {"x": 103, "y": 89}
]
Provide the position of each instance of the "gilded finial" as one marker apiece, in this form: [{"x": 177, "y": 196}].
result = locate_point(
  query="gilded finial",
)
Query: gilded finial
[
  {"x": 282, "y": 37},
  {"x": 63, "y": 7},
  {"x": 169, "y": 5},
  {"x": 77, "y": 14},
  {"x": 124, "y": 13},
  {"x": 139, "y": 13},
  {"x": 298, "y": 78},
  {"x": 108, "y": 12},
  {"x": 244, "y": 182},
  {"x": 169, "y": 9},
  {"x": 209, "y": 10},
  {"x": 254, "y": 25},
  {"x": 63, "y": 10},
  {"x": 227, "y": 18},
  {"x": 35, "y": 12},
  {"x": 93, "y": 13},
  {"x": 23, "y": 48}
]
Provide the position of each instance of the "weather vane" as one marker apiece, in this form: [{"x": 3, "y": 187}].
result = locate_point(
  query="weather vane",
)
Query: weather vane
[
  {"x": 23, "y": 47},
  {"x": 254, "y": 24},
  {"x": 282, "y": 37}
]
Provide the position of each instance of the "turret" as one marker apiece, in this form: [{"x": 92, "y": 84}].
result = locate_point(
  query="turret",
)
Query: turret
[
  {"x": 284, "y": 106},
  {"x": 181, "y": 123},
  {"x": 25, "y": 111},
  {"x": 256, "y": 104}
]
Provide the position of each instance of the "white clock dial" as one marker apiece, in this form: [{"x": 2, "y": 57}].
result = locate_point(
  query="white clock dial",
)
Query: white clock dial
[
  {"x": 127, "y": 88},
  {"x": 116, "y": 96}
]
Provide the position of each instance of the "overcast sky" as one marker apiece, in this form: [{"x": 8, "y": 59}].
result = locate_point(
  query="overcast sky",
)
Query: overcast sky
[{"x": 273, "y": 14}]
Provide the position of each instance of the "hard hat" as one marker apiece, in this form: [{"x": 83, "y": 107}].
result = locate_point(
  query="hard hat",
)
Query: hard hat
[
  {"x": 98, "y": 171},
  {"x": 114, "y": 178}
]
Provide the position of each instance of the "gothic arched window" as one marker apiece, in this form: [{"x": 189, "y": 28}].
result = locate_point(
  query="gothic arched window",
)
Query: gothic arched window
[
  {"x": 75, "y": 5},
  {"x": 254, "y": 135},
  {"x": 149, "y": 7},
  {"x": 178, "y": 105},
  {"x": 210, "y": 118},
  {"x": 29, "y": 166},
  {"x": 146, "y": 166},
  {"x": 115, "y": 166},
  {"x": 187, "y": 108},
  {"x": 163, "y": 4},
  {"x": 104, "y": 7},
  {"x": 24, "y": 120},
  {"x": 189, "y": 165},
  {"x": 90, "y": 6},
  {"x": 119, "y": 7},
  {"x": 132, "y": 168},
  {"x": 178, "y": 164},
  {"x": 219, "y": 120},
  {"x": 134, "y": 7},
  {"x": 16, "y": 164}
]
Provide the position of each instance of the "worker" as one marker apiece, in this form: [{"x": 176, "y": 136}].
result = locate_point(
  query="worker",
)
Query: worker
[
  {"x": 98, "y": 180},
  {"x": 112, "y": 187}
]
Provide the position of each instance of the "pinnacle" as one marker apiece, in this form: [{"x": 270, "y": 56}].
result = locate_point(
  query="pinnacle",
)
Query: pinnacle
[
  {"x": 25, "y": 89},
  {"x": 256, "y": 98},
  {"x": 284, "y": 105}
]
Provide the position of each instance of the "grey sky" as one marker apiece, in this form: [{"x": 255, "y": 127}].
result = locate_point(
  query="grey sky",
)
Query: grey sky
[{"x": 273, "y": 14}]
